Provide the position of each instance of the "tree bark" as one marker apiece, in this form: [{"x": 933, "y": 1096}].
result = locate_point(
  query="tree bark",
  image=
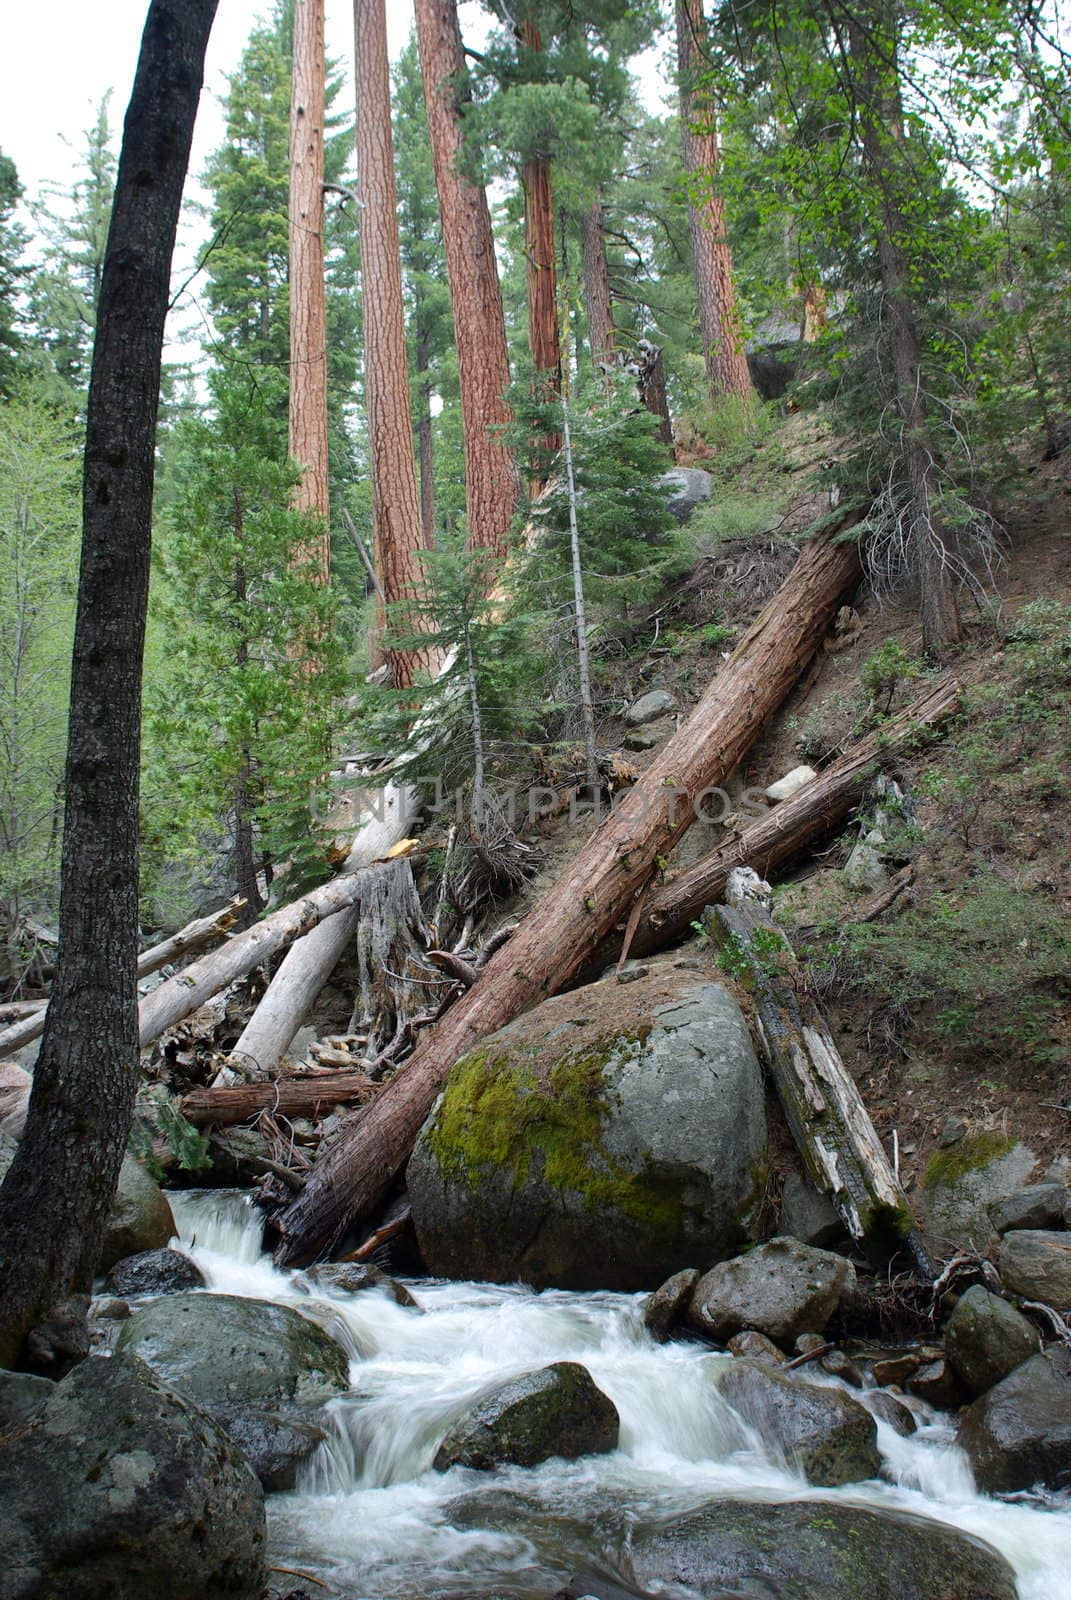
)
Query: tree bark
[
  {"x": 308, "y": 320},
  {"x": 595, "y": 889},
  {"x": 719, "y": 320},
  {"x": 543, "y": 339},
  {"x": 396, "y": 518},
  {"x": 306, "y": 1096},
  {"x": 201, "y": 932},
  {"x": 874, "y": 45},
  {"x": 825, "y": 1112},
  {"x": 598, "y": 302},
  {"x": 652, "y": 384},
  {"x": 425, "y": 459},
  {"x": 492, "y": 484},
  {"x": 785, "y": 832},
  {"x": 55, "y": 1198}
]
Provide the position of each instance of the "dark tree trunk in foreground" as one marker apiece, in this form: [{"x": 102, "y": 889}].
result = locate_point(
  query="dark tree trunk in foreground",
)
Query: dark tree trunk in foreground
[
  {"x": 887, "y": 166},
  {"x": 492, "y": 484},
  {"x": 55, "y": 1199},
  {"x": 719, "y": 322},
  {"x": 594, "y": 892}
]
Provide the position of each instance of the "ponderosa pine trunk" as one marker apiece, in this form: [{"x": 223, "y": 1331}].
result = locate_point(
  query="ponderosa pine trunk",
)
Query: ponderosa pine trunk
[
  {"x": 874, "y": 45},
  {"x": 396, "y": 515},
  {"x": 308, "y": 317},
  {"x": 598, "y": 301},
  {"x": 492, "y": 484},
  {"x": 719, "y": 321},
  {"x": 543, "y": 338},
  {"x": 594, "y": 892},
  {"x": 55, "y": 1199}
]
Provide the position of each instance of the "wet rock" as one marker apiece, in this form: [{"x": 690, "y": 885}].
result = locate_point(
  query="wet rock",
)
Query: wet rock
[
  {"x": 888, "y": 1409},
  {"x": 608, "y": 1139},
  {"x": 807, "y": 1215},
  {"x": 829, "y": 1436},
  {"x": 896, "y": 1369},
  {"x": 222, "y": 1350},
  {"x": 352, "y": 1277},
  {"x": 840, "y": 1365},
  {"x": 20, "y": 1395},
  {"x": 112, "y": 1309},
  {"x": 782, "y": 1289},
  {"x": 756, "y": 1347},
  {"x": 119, "y": 1487},
  {"x": 806, "y": 1344},
  {"x": 1036, "y": 1205},
  {"x": 140, "y": 1217},
  {"x": 1018, "y": 1435},
  {"x": 649, "y": 707},
  {"x": 663, "y": 1309},
  {"x": 799, "y": 1550},
  {"x": 1036, "y": 1263},
  {"x": 688, "y": 488},
  {"x": 937, "y": 1383},
  {"x": 154, "y": 1272},
  {"x": 557, "y": 1411},
  {"x": 961, "y": 1183},
  {"x": 986, "y": 1338},
  {"x": 790, "y": 784},
  {"x": 274, "y": 1443}
]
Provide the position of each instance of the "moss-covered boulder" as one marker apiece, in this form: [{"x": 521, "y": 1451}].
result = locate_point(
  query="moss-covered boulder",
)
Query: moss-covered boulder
[
  {"x": 798, "y": 1550},
  {"x": 557, "y": 1411},
  {"x": 822, "y": 1431},
  {"x": 607, "y": 1139},
  {"x": 960, "y": 1183}
]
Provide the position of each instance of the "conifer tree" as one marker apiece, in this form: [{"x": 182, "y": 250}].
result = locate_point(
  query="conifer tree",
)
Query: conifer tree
[{"x": 12, "y": 242}]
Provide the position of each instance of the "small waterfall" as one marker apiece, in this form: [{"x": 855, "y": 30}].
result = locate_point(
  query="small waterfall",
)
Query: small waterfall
[{"x": 373, "y": 1521}]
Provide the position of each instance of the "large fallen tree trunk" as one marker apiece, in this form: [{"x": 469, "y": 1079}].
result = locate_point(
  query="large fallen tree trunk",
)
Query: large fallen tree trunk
[
  {"x": 306, "y": 1096},
  {"x": 668, "y": 911},
  {"x": 823, "y": 1107},
  {"x": 191, "y": 937},
  {"x": 556, "y": 938},
  {"x": 189, "y": 989}
]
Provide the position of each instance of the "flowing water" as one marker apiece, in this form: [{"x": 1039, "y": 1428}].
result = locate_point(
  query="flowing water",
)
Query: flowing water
[{"x": 372, "y": 1521}]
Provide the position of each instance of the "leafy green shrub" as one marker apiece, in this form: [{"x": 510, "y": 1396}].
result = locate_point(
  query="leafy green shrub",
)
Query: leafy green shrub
[{"x": 887, "y": 670}]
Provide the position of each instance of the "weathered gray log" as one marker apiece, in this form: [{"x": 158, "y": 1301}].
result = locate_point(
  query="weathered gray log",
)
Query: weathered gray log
[
  {"x": 302, "y": 1096},
  {"x": 195, "y": 934},
  {"x": 825, "y": 1112}
]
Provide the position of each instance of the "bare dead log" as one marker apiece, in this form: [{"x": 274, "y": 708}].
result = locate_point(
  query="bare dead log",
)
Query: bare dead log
[
  {"x": 824, "y": 1110},
  {"x": 17, "y": 1010},
  {"x": 304, "y": 1096},
  {"x": 596, "y": 888},
  {"x": 782, "y": 834},
  {"x": 192, "y": 937}
]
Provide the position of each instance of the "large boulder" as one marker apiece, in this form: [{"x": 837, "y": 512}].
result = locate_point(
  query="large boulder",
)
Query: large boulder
[
  {"x": 221, "y": 1350},
  {"x": 688, "y": 488},
  {"x": 274, "y": 1443},
  {"x": 119, "y": 1487},
  {"x": 1035, "y": 1205},
  {"x": 557, "y": 1411},
  {"x": 961, "y": 1182},
  {"x": 650, "y": 707},
  {"x": 986, "y": 1338},
  {"x": 1036, "y": 1263},
  {"x": 20, "y": 1395},
  {"x": 799, "y": 1550},
  {"x": 808, "y": 1215},
  {"x": 1018, "y": 1435},
  {"x": 140, "y": 1217},
  {"x": 830, "y": 1437},
  {"x": 607, "y": 1139},
  {"x": 782, "y": 1289},
  {"x": 154, "y": 1272}
]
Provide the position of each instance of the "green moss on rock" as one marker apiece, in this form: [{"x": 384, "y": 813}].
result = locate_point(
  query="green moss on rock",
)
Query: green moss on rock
[{"x": 969, "y": 1155}]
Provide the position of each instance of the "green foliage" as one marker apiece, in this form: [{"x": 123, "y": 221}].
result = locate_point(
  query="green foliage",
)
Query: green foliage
[
  {"x": 886, "y": 671},
  {"x": 12, "y": 271},
  {"x": 187, "y": 1144}
]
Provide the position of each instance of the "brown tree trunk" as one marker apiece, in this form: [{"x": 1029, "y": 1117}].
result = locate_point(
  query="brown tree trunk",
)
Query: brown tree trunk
[
  {"x": 593, "y": 893},
  {"x": 56, "y": 1196},
  {"x": 425, "y": 459},
  {"x": 874, "y": 41},
  {"x": 306, "y": 1096},
  {"x": 719, "y": 320},
  {"x": 396, "y": 517},
  {"x": 492, "y": 484},
  {"x": 652, "y": 384},
  {"x": 543, "y": 338},
  {"x": 598, "y": 302},
  {"x": 308, "y": 322}
]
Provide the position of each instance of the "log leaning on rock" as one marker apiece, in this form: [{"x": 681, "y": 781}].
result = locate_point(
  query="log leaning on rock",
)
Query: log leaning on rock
[
  {"x": 304, "y": 1096},
  {"x": 824, "y": 1109},
  {"x": 667, "y": 912},
  {"x": 555, "y": 940},
  {"x": 193, "y": 936}
]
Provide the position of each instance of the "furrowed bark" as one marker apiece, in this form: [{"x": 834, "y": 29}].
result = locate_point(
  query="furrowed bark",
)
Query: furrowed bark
[
  {"x": 292, "y": 1097},
  {"x": 192, "y": 937},
  {"x": 554, "y": 941},
  {"x": 55, "y": 1198},
  {"x": 823, "y": 1107},
  {"x": 598, "y": 302},
  {"x": 667, "y": 912}
]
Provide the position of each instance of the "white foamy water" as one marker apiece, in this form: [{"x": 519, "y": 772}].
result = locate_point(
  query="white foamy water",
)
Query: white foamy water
[{"x": 373, "y": 1521}]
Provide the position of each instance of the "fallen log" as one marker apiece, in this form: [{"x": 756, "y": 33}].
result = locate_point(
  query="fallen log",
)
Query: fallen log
[
  {"x": 195, "y": 934},
  {"x": 824, "y": 1110},
  {"x": 303, "y": 1096},
  {"x": 556, "y": 938},
  {"x": 188, "y": 990},
  {"x": 667, "y": 912},
  {"x": 16, "y": 1010}
]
